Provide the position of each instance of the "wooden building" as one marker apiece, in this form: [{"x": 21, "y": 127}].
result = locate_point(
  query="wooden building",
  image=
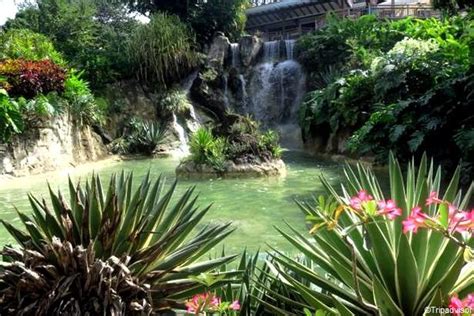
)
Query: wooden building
[{"x": 288, "y": 19}]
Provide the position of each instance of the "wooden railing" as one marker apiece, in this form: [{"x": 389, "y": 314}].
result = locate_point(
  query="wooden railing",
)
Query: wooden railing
[{"x": 396, "y": 11}]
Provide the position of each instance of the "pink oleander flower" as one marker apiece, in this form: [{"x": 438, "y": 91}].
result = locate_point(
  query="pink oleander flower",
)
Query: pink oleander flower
[
  {"x": 460, "y": 221},
  {"x": 203, "y": 301},
  {"x": 456, "y": 305},
  {"x": 235, "y": 306},
  {"x": 459, "y": 306},
  {"x": 357, "y": 201},
  {"x": 389, "y": 209},
  {"x": 433, "y": 199},
  {"x": 416, "y": 220}
]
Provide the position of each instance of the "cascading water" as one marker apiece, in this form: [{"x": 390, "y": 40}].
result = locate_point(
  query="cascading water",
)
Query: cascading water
[
  {"x": 290, "y": 49},
  {"x": 234, "y": 49},
  {"x": 275, "y": 92},
  {"x": 182, "y": 136},
  {"x": 271, "y": 51},
  {"x": 181, "y": 127}
]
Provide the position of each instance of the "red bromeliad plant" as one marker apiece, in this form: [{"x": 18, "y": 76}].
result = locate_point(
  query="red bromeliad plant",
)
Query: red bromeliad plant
[
  {"x": 378, "y": 255},
  {"x": 28, "y": 78}
]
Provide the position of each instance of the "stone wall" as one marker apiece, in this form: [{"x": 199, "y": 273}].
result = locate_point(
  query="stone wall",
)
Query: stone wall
[{"x": 58, "y": 144}]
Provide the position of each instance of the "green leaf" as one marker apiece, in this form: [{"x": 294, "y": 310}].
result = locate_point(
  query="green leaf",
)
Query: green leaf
[{"x": 444, "y": 215}]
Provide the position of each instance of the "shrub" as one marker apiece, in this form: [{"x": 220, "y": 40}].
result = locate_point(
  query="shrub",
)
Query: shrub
[
  {"x": 162, "y": 50},
  {"x": 92, "y": 35},
  {"x": 145, "y": 136},
  {"x": 29, "y": 78},
  {"x": 207, "y": 149},
  {"x": 155, "y": 242},
  {"x": 173, "y": 101},
  {"x": 11, "y": 121},
  {"x": 377, "y": 255},
  {"x": 81, "y": 102},
  {"x": 25, "y": 44}
]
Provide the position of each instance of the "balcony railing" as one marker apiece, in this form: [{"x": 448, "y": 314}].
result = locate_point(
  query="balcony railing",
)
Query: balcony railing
[{"x": 257, "y": 3}]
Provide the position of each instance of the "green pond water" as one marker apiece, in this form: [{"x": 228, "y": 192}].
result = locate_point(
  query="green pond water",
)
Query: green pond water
[{"x": 254, "y": 206}]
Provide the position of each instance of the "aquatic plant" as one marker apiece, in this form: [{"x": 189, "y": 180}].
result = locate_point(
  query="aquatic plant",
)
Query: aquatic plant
[
  {"x": 154, "y": 239},
  {"x": 365, "y": 257}
]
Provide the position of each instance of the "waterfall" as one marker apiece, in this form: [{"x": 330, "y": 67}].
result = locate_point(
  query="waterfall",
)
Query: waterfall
[
  {"x": 271, "y": 91},
  {"x": 275, "y": 92},
  {"x": 183, "y": 148},
  {"x": 234, "y": 49},
  {"x": 226, "y": 90},
  {"x": 290, "y": 49},
  {"x": 243, "y": 84},
  {"x": 182, "y": 126},
  {"x": 271, "y": 51}
]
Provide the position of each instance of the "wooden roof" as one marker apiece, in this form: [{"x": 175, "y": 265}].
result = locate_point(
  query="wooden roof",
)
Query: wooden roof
[{"x": 260, "y": 17}]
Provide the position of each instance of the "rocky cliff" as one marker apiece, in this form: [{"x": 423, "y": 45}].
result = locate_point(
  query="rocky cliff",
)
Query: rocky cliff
[{"x": 59, "y": 143}]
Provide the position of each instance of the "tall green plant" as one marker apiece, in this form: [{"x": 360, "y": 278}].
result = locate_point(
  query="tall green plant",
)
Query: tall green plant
[
  {"x": 11, "y": 121},
  {"x": 138, "y": 224},
  {"x": 359, "y": 263},
  {"x": 162, "y": 50}
]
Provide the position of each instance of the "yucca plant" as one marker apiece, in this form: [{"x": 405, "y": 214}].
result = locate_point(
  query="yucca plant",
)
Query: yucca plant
[
  {"x": 140, "y": 226},
  {"x": 361, "y": 263}
]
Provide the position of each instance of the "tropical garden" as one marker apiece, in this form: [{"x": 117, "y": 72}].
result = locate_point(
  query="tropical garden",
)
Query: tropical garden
[{"x": 389, "y": 232}]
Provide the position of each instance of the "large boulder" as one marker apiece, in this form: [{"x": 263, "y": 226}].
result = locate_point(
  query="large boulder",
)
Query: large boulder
[
  {"x": 218, "y": 51},
  {"x": 250, "y": 47}
]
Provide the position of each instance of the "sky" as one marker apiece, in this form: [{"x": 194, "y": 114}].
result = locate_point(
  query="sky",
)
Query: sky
[{"x": 7, "y": 10}]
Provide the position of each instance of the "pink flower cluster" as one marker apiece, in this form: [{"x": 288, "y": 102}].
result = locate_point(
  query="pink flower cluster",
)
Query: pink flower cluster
[
  {"x": 384, "y": 208},
  {"x": 208, "y": 302},
  {"x": 461, "y": 307},
  {"x": 458, "y": 220}
]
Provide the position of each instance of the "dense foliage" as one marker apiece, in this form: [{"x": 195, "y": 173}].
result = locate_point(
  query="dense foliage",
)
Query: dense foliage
[
  {"x": 205, "y": 17},
  {"x": 151, "y": 241},
  {"x": 36, "y": 85},
  {"x": 92, "y": 35},
  {"x": 22, "y": 43},
  {"x": 162, "y": 50},
  {"x": 239, "y": 140},
  {"x": 226, "y": 16},
  {"x": 29, "y": 78},
  {"x": 404, "y": 86}
]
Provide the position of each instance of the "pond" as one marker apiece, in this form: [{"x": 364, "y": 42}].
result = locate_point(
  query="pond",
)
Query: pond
[{"x": 254, "y": 206}]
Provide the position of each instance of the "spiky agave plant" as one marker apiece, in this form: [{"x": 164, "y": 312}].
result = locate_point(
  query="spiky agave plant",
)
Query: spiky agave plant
[
  {"x": 64, "y": 280},
  {"x": 360, "y": 263},
  {"x": 158, "y": 240}
]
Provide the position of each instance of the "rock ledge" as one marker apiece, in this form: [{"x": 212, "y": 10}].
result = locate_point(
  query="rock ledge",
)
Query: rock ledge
[{"x": 191, "y": 170}]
